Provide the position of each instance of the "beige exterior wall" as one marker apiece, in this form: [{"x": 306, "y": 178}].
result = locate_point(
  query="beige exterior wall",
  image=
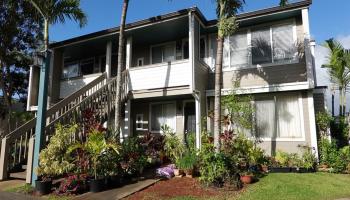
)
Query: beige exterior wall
[{"x": 269, "y": 146}]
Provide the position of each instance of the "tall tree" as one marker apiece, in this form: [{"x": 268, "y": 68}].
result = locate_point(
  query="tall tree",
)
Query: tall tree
[
  {"x": 57, "y": 11},
  {"x": 226, "y": 11},
  {"x": 338, "y": 68},
  {"x": 19, "y": 37},
  {"x": 118, "y": 103}
]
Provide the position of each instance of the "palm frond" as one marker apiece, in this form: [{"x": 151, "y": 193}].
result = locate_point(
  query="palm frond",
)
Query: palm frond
[
  {"x": 283, "y": 3},
  {"x": 62, "y": 9}
]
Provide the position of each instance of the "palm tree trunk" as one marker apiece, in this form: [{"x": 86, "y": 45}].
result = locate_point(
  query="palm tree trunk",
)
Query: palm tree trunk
[
  {"x": 341, "y": 102},
  {"x": 118, "y": 103},
  {"x": 217, "y": 100},
  {"x": 46, "y": 35},
  {"x": 344, "y": 101}
]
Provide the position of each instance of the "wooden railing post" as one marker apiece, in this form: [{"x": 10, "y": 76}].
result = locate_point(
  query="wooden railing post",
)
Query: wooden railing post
[
  {"x": 4, "y": 154},
  {"x": 30, "y": 161}
]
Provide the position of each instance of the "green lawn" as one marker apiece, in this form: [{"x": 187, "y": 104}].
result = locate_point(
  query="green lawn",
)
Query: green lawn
[{"x": 320, "y": 186}]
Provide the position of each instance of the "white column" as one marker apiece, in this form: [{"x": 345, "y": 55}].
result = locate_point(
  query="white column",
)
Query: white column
[
  {"x": 128, "y": 53},
  {"x": 30, "y": 88},
  {"x": 108, "y": 69},
  {"x": 311, "y": 109},
  {"x": 198, "y": 119},
  {"x": 308, "y": 54},
  {"x": 191, "y": 47}
]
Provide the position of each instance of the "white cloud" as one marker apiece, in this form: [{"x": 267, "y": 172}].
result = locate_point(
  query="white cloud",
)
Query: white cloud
[{"x": 322, "y": 76}]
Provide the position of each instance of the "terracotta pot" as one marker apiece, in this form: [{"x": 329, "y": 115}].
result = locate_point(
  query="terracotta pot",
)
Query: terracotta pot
[
  {"x": 189, "y": 173},
  {"x": 247, "y": 179},
  {"x": 178, "y": 172}
]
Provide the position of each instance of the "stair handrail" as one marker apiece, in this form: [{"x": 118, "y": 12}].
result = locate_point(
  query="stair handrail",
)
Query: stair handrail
[{"x": 64, "y": 102}]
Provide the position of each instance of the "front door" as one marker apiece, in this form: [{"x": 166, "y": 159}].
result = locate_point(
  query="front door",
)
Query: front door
[{"x": 190, "y": 117}]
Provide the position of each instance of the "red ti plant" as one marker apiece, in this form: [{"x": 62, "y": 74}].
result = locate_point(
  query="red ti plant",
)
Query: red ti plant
[{"x": 91, "y": 122}]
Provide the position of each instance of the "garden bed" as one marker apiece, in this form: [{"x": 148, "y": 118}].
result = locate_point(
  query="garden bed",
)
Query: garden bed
[{"x": 178, "y": 187}]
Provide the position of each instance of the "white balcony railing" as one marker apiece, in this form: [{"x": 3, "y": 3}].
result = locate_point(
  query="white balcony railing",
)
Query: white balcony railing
[{"x": 161, "y": 75}]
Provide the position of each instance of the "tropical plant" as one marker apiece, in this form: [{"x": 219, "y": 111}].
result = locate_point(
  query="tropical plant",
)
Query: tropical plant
[
  {"x": 132, "y": 156},
  {"x": 95, "y": 145},
  {"x": 308, "y": 159},
  {"x": 338, "y": 69},
  {"x": 173, "y": 147},
  {"x": 53, "y": 159},
  {"x": 323, "y": 122},
  {"x": 118, "y": 103},
  {"x": 187, "y": 161},
  {"x": 54, "y": 11}
]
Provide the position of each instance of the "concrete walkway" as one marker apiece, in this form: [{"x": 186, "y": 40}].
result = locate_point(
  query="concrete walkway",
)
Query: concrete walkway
[{"x": 118, "y": 193}]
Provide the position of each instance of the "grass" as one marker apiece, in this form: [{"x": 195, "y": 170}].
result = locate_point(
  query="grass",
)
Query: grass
[
  {"x": 24, "y": 189},
  {"x": 291, "y": 186}
]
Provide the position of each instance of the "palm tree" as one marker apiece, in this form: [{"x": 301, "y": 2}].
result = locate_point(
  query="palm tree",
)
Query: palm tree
[
  {"x": 338, "y": 68},
  {"x": 226, "y": 11},
  {"x": 54, "y": 11},
  {"x": 118, "y": 103}
]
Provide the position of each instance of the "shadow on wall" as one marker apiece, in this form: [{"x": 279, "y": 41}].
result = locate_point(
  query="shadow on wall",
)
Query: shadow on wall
[{"x": 261, "y": 49}]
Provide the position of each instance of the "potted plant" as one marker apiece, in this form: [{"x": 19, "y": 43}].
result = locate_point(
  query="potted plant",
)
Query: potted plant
[
  {"x": 280, "y": 163},
  {"x": 308, "y": 160},
  {"x": 53, "y": 159},
  {"x": 95, "y": 146},
  {"x": 247, "y": 177},
  {"x": 174, "y": 148},
  {"x": 187, "y": 163}
]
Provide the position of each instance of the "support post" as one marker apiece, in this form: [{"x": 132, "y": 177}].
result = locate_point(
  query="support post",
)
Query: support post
[
  {"x": 41, "y": 114},
  {"x": 4, "y": 158},
  {"x": 128, "y": 53},
  {"x": 109, "y": 60},
  {"x": 313, "y": 134},
  {"x": 127, "y": 120},
  {"x": 30, "y": 161},
  {"x": 198, "y": 119}
]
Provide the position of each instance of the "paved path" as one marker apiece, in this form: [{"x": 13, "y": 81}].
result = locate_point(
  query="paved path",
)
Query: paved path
[
  {"x": 16, "y": 196},
  {"x": 118, "y": 193}
]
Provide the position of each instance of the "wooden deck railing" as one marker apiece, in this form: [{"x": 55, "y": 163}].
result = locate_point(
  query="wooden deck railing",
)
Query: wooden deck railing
[{"x": 98, "y": 95}]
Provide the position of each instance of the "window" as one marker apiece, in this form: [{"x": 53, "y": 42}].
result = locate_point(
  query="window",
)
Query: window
[
  {"x": 273, "y": 44},
  {"x": 186, "y": 49},
  {"x": 140, "y": 62},
  {"x": 162, "y": 114},
  {"x": 279, "y": 117},
  {"x": 202, "y": 48},
  {"x": 139, "y": 122},
  {"x": 163, "y": 53},
  {"x": 261, "y": 46},
  {"x": 236, "y": 50},
  {"x": 70, "y": 70},
  {"x": 87, "y": 67}
]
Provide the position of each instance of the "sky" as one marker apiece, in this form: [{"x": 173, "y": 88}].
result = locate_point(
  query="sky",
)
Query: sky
[{"x": 328, "y": 19}]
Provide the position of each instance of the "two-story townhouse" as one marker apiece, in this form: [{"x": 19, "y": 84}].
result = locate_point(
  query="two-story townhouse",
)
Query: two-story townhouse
[{"x": 169, "y": 72}]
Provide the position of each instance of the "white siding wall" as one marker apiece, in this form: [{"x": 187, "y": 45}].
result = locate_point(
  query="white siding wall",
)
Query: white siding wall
[
  {"x": 160, "y": 76},
  {"x": 70, "y": 86}
]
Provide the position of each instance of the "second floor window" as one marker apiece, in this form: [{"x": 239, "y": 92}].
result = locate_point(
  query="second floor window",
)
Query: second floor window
[
  {"x": 163, "y": 53},
  {"x": 273, "y": 44}
]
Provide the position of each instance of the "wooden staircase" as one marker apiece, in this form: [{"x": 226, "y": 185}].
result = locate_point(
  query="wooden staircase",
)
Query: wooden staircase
[{"x": 16, "y": 148}]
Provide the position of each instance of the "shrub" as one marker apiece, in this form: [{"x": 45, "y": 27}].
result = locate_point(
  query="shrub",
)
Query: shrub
[
  {"x": 213, "y": 166},
  {"x": 323, "y": 120},
  {"x": 308, "y": 159},
  {"x": 72, "y": 184},
  {"x": 173, "y": 147},
  {"x": 328, "y": 152},
  {"x": 54, "y": 160}
]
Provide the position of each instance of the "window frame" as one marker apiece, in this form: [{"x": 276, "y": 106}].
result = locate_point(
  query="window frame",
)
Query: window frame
[
  {"x": 162, "y": 44},
  {"x": 150, "y": 115},
  {"x": 301, "y": 117},
  {"x": 142, "y": 59},
  {"x": 137, "y": 122},
  {"x": 85, "y": 61},
  {"x": 248, "y": 30}
]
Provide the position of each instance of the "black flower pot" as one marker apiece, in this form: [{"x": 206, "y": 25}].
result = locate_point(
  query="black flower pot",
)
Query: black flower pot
[
  {"x": 43, "y": 187},
  {"x": 97, "y": 185},
  {"x": 115, "y": 181},
  {"x": 280, "y": 169}
]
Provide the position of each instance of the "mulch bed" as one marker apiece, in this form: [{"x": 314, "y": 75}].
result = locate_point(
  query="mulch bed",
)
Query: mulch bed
[{"x": 177, "y": 187}]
